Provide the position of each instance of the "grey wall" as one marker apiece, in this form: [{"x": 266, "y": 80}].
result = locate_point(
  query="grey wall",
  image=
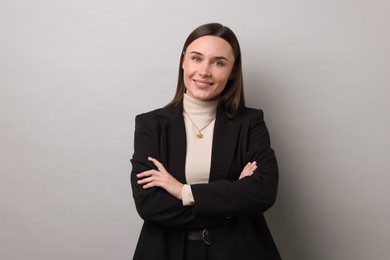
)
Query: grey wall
[{"x": 73, "y": 74}]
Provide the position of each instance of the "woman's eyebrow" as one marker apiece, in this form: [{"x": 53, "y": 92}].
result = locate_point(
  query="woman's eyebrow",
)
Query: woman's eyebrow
[{"x": 217, "y": 57}]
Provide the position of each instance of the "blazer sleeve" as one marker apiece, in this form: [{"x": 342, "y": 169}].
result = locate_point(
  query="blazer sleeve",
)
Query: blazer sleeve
[
  {"x": 251, "y": 195},
  {"x": 155, "y": 205}
]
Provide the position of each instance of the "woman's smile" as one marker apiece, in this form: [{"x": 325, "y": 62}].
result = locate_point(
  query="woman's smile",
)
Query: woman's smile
[{"x": 202, "y": 84}]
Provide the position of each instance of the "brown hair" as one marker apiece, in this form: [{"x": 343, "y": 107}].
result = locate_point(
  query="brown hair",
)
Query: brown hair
[{"x": 232, "y": 97}]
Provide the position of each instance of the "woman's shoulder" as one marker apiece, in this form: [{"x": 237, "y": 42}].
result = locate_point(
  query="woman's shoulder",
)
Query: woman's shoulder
[
  {"x": 163, "y": 112},
  {"x": 251, "y": 110},
  {"x": 249, "y": 113},
  {"x": 148, "y": 114}
]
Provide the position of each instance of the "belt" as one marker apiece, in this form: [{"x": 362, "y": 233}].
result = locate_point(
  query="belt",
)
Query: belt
[{"x": 199, "y": 235}]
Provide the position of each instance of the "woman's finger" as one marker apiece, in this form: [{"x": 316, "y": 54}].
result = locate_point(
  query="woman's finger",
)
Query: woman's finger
[
  {"x": 151, "y": 184},
  {"x": 159, "y": 165},
  {"x": 147, "y": 173},
  {"x": 146, "y": 180},
  {"x": 248, "y": 169},
  {"x": 151, "y": 181}
]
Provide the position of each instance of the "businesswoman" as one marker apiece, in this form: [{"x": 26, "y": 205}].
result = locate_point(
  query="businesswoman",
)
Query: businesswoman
[{"x": 203, "y": 169}]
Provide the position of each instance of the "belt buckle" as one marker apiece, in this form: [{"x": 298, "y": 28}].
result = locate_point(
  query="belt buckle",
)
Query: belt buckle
[{"x": 204, "y": 236}]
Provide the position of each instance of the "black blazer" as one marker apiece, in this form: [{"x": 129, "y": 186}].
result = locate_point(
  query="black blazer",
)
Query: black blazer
[{"x": 231, "y": 209}]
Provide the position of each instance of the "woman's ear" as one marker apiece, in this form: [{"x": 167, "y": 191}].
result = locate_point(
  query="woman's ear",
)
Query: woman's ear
[{"x": 182, "y": 59}]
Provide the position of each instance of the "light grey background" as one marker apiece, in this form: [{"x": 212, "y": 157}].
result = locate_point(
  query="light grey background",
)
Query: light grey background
[{"x": 73, "y": 74}]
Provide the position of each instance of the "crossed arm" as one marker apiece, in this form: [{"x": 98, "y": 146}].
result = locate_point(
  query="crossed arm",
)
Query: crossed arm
[{"x": 162, "y": 178}]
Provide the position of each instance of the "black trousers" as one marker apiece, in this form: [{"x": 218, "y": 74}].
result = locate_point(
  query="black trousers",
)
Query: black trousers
[{"x": 196, "y": 250}]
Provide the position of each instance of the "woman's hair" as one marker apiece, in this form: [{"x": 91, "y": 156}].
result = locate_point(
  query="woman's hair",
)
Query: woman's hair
[{"x": 232, "y": 97}]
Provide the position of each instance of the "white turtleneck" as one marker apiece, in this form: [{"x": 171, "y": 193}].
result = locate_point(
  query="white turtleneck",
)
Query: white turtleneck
[{"x": 198, "y": 159}]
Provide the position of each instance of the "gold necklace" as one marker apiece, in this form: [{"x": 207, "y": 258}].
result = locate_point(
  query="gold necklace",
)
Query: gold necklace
[{"x": 199, "y": 135}]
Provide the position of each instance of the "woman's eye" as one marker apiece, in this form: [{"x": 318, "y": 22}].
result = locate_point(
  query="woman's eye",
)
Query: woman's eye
[
  {"x": 218, "y": 63},
  {"x": 195, "y": 58}
]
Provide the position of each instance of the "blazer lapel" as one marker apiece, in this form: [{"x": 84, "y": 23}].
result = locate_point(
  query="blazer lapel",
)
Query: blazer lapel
[
  {"x": 173, "y": 141},
  {"x": 226, "y": 134}
]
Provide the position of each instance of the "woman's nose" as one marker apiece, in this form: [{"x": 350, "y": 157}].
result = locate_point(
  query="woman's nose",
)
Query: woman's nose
[{"x": 204, "y": 71}]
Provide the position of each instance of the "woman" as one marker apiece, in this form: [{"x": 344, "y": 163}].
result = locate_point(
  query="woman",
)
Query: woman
[{"x": 203, "y": 169}]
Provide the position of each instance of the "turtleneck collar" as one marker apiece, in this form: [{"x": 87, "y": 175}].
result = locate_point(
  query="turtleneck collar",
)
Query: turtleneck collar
[{"x": 197, "y": 107}]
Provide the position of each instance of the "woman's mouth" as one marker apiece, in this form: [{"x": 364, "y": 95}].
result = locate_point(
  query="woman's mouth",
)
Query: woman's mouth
[{"x": 202, "y": 84}]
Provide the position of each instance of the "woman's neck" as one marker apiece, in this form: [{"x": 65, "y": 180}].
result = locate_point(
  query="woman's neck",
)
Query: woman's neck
[{"x": 197, "y": 107}]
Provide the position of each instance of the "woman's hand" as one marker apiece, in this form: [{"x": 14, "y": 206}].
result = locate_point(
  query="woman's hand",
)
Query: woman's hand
[
  {"x": 160, "y": 178},
  {"x": 248, "y": 170}
]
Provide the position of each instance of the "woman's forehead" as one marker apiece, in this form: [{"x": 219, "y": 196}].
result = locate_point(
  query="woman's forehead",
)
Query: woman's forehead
[{"x": 210, "y": 46}]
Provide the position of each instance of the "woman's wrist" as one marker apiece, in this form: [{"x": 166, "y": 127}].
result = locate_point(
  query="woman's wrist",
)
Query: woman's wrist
[{"x": 187, "y": 197}]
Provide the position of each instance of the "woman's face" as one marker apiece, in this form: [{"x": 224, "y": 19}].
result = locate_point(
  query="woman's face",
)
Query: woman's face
[{"x": 207, "y": 64}]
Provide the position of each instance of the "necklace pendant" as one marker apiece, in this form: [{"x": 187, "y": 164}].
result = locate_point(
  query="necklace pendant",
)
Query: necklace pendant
[{"x": 200, "y": 135}]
